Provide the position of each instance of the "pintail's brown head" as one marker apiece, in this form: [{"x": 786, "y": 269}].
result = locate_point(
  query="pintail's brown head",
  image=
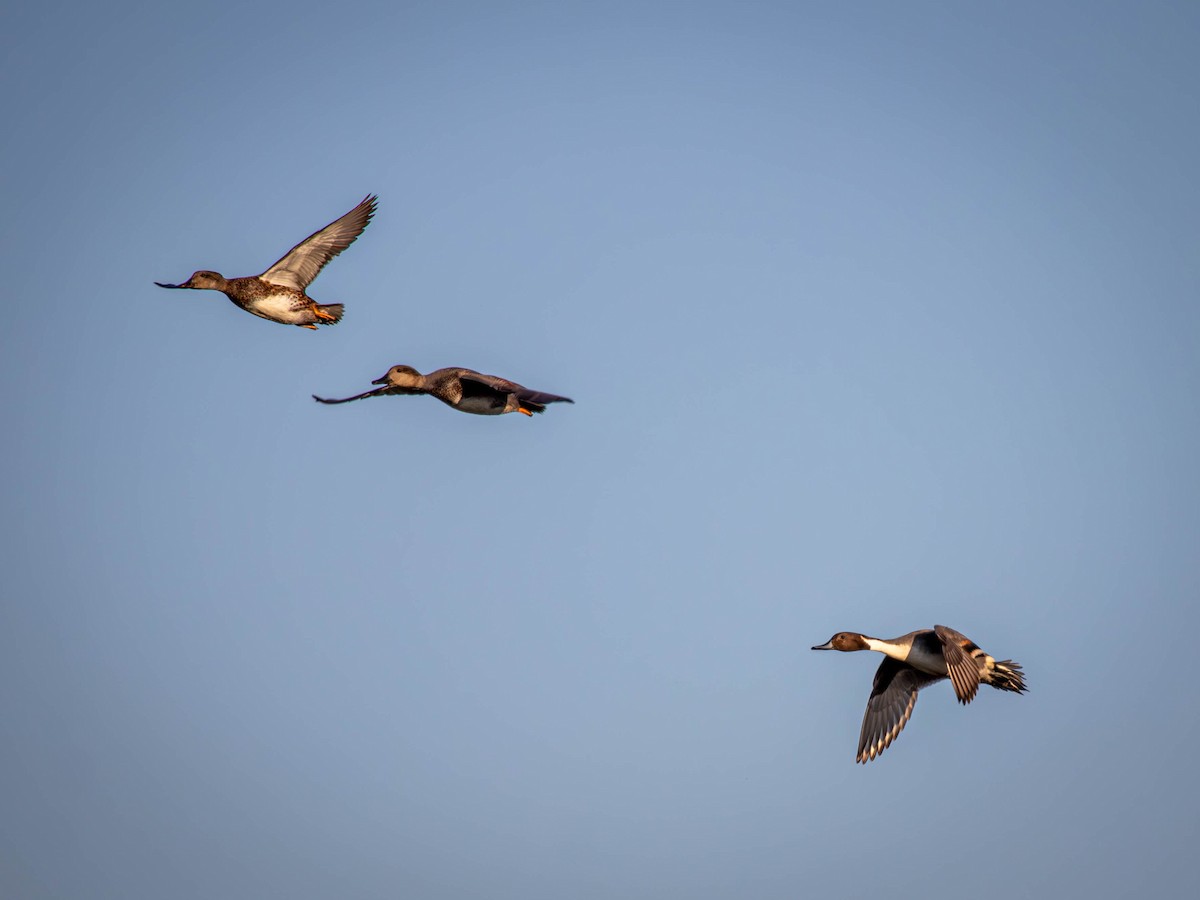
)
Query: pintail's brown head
[{"x": 845, "y": 641}]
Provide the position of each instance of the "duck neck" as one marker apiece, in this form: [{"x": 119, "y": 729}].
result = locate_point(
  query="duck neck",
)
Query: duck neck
[{"x": 886, "y": 648}]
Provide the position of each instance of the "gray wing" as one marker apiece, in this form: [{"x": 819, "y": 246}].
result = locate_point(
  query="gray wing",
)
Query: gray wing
[
  {"x": 893, "y": 696},
  {"x": 475, "y": 382},
  {"x": 378, "y": 392},
  {"x": 959, "y": 652},
  {"x": 300, "y": 265},
  {"x": 541, "y": 397}
]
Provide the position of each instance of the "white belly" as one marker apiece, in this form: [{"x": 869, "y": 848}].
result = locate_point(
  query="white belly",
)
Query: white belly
[
  {"x": 281, "y": 307},
  {"x": 480, "y": 406}
]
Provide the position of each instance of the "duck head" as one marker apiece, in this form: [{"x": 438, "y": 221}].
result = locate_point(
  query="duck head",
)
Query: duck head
[
  {"x": 401, "y": 377},
  {"x": 202, "y": 280},
  {"x": 846, "y": 641}
]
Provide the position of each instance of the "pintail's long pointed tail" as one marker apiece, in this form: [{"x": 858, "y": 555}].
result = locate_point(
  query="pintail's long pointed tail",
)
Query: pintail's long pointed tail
[{"x": 1007, "y": 675}]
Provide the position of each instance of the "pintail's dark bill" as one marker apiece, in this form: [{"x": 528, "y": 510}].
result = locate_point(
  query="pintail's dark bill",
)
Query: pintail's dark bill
[
  {"x": 828, "y": 645},
  {"x": 160, "y": 284},
  {"x": 382, "y": 380}
]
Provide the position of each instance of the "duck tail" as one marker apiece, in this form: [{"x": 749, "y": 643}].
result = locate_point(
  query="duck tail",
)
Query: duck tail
[
  {"x": 333, "y": 311},
  {"x": 535, "y": 401},
  {"x": 1006, "y": 675}
]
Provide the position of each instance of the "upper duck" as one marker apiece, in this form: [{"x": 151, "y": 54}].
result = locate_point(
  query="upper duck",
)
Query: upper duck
[
  {"x": 464, "y": 389},
  {"x": 915, "y": 660},
  {"x": 279, "y": 294}
]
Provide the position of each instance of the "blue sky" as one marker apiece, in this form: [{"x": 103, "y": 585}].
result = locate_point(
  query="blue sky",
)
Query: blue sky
[{"x": 876, "y": 316}]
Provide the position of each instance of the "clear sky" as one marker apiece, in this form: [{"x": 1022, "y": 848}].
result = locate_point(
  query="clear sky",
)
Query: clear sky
[{"x": 876, "y": 316}]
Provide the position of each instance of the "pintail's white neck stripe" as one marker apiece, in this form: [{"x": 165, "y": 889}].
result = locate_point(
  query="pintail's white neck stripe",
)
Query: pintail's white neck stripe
[{"x": 887, "y": 648}]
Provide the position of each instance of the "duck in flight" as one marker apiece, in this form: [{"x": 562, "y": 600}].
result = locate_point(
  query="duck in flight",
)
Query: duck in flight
[
  {"x": 463, "y": 389},
  {"x": 914, "y": 661},
  {"x": 279, "y": 294}
]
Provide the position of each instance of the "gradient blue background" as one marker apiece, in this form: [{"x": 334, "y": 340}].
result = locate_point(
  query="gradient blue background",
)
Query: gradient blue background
[{"x": 876, "y": 315}]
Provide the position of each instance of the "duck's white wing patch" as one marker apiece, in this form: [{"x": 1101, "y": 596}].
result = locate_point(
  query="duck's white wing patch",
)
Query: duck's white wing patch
[{"x": 300, "y": 265}]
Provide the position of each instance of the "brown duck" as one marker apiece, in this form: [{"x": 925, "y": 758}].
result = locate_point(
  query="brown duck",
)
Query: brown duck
[
  {"x": 279, "y": 294},
  {"x": 463, "y": 389}
]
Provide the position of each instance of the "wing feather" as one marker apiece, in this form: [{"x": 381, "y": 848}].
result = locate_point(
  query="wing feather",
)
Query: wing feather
[
  {"x": 893, "y": 696},
  {"x": 300, "y": 265},
  {"x": 502, "y": 386},
  {"x": 541, "y": 397},
  {"x": 378, "y": 392},
  {"x": 476, "y": 384},
  {"x": 958, "y": 651}
]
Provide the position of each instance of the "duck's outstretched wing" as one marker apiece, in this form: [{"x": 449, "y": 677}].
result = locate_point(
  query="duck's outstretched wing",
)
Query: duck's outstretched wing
[
  {"x": 893, "y": 696},
  {"x": 300, "y": 265},
  {"x": 960, "y": 652},
  {"x": 378, "y": 392}
]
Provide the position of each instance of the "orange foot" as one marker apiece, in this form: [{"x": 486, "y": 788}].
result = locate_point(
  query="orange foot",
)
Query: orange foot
[
  {"x": 524, "y": 411},
  {"x": 321, "y": 314},
  {"x": 313, "y": 327}
]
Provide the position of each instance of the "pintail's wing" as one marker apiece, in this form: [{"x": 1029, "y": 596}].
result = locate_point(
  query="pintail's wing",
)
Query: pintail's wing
[
  {"x": 960, "y": 652},
  {"x": 893, "y": 696}
]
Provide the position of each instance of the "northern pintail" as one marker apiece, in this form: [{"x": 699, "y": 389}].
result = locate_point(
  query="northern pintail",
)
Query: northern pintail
[
  {"x": 464, "y": 389},
  {"x": 279, "y": 294},
  {"x": 914, "y": 661}
]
